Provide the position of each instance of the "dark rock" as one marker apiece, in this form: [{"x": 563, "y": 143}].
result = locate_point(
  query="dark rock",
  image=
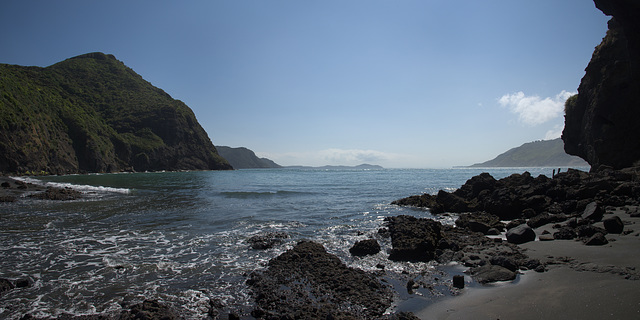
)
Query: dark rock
[
  {"x": 546, "y": 237},
  {"x": 492, "y": 273},
  {"x": 613, "y": 224},
  {"x": 593, "y": 212},
  {"x": 61, "y": 194},
  {"x": 565, "y": 233},
  {"x": 514, "y": 223},
  {"x": 493, "y": 232},
  {"x": 479, "y": 222},
  {"x": 586, "y": 231},
  {"x": 504, "y": 262},
  {"x": 23, "y": 283},
  {"x": 521, "y": 234},
  {"x": 532, "y": 264},
  {"x": 601, "y": 121},
  {"x": 401, "y": 316},
  {"x": 267, "y": 240},
  {"x": 413, "y": 239},
  {"x": 458, "y": 281},
  {"x": 306, "y": 282},
  {"x": 151, "y": 310},
  {"x": 451, "y": 202},
  {"x": 597, "y": 239},
  {"x": 6, "y": 184},
  {"x": 5, "y": 285},
  {"x": 365, "y": 247}
]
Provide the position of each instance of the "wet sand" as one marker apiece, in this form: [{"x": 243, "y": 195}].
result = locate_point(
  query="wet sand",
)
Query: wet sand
[{"x": 582, "y": 282}]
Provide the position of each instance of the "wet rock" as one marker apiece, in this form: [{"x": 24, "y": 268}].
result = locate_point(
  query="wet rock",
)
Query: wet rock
[
  {"x": 593, "y": 212},
  {"x": 458, "y": 281},
  {"x": 365, "y": 247},
  {"x": 504, "y": 262},
  {"x": 492, "y": 273},
  {"x": 479, "y": 222},
  {"x": 597, "y": 239},
  {"x": 521, "y": 234},
  {"x": 306, "y": 282},
  {"x": 413, "y": 239},
  {"x": 61, "y": 194},
  {"x": 151, "y": 310},
  {"x": 267, "y": 240},
  {"x": 613, "y": 224},
  {"x": 5, "y": 285},
  {"x": 565, "y": 233}
]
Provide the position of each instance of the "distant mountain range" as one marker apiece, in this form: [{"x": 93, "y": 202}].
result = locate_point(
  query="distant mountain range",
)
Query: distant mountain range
[
  {"x": 363, "y": 166},
  {"x": 243, "y": 158},
  {"x": 544, "y": 153}
]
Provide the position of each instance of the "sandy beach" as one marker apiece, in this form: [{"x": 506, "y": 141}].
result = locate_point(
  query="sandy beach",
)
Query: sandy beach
[{"x": 581, "y": 282}]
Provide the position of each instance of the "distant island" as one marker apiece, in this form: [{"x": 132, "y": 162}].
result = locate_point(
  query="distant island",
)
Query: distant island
[
  {"x": 363, "y": 166},
  {"x": 243, "y": 158},
  {"x": 544, "y": 153},
  {"x": 91, "y": 113}
]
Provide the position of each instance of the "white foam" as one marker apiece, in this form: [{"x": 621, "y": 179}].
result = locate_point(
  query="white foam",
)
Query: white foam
[{"x": 78, "y": 187}]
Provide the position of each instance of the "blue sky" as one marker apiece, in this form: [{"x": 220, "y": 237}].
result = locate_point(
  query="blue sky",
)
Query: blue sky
[{"x": 418, "y": 84}]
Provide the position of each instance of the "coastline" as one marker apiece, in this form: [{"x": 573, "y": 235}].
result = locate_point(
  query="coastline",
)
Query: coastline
[{"x": 582, "y": 282}]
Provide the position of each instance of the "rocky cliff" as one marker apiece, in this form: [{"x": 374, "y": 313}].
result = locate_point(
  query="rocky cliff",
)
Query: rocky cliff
[
  {"x": 243, "y": 158},
  {"x": 544, "y": 153},
  {"x": 91, "y": 113},
  {"x": 601, "y": 123}
]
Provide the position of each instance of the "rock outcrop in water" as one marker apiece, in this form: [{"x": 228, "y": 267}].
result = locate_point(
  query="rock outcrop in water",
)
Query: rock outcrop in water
[
  {"x": 601, "y": 122},
  {"x": 91, "y": 113}
]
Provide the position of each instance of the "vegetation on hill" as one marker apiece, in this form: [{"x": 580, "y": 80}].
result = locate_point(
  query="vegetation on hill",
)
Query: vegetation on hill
[
  {"x": 545, "y": 153},
  {"x": 91, "y": 113},
  {"x": 243, "y": 158}
]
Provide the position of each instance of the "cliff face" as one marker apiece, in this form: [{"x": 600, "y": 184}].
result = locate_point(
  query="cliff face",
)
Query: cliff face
[
  {"x": 243, "y": 158},
  {"x": 91, "y": 113},
  {"x": 601, "y": 124}
]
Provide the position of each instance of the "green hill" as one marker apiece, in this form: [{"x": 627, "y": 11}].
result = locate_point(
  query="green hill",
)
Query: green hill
[
  {"x": 243, "y": 158},
  {"x": 545, "y": 153},
  {"x": 91, "y": 113}
]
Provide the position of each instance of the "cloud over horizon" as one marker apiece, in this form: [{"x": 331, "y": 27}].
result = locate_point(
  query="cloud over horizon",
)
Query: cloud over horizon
[{"x": 534, "y": 110}]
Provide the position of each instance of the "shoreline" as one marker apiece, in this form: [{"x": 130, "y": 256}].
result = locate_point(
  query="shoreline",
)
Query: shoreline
[{"x": 582, "y": 282}]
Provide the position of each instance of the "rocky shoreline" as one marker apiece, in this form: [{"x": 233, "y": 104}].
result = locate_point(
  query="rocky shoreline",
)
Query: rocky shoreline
[
  {"x": 12, "y": 190},
  {"x": 497, "y": 220}
]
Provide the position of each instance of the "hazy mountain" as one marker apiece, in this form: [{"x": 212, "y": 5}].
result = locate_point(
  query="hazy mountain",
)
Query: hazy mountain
[
  {"x": 243, "y": 158},
  {"x": 544, "y": 153}
]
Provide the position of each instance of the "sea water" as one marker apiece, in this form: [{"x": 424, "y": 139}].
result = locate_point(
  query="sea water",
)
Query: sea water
[{"x": 181, "y": 237}]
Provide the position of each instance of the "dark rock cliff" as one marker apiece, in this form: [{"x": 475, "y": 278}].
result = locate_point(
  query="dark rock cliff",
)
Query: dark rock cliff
[
  {"x": 243, "y": 158},
  {"x": 91, "y": 113},
  {"x": 601, "y": 123}
]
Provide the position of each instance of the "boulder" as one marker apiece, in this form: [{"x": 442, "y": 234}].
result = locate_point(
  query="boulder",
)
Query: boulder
[
  {"x": 365, "y": 247},
  {"x": 492, "y": 273},
  {"x": 306, "y": 282},
  {"x": 613, "y": 224},
  {"x": 413, "y": 239},
  {"x": 504, "y": 262},
  {"x": 521, "y": 234},
  {"x": 267, "y": 240},
  {"x": 597, "y": 239},
  {"x": 593, "y": 212},
  {"x": 565, "y": 233}
]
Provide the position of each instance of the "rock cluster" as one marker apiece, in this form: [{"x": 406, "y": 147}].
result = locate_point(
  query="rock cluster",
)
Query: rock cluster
[
  {"x": 306, "y": 282},
  {"x": 572, "y": 201}
]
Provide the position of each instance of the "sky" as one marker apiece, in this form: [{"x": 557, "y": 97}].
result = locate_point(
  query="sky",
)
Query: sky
[{"x": 401, "y": 84}]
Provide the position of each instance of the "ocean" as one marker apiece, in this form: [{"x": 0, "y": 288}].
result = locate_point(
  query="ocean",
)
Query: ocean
[{"x": 181, "y": 237}]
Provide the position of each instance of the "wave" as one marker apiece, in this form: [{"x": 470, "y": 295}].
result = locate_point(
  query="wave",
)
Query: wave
[
  {"x": 78, "y": 187},
  {"x": 260, "y": 194}
]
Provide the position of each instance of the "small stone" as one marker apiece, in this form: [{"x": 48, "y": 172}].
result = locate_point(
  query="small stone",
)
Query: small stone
[
  {"x": 458, "y": 281},
  {"x": 613, "y": 224},
  {"x": 597, "y": 239}
]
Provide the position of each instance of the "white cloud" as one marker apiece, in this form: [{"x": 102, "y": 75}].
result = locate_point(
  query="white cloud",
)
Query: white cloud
[
  {"x": 534, "y": 110},
  {"x": 334, "y": 156},
  {"x": 554, "y": 133}
]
